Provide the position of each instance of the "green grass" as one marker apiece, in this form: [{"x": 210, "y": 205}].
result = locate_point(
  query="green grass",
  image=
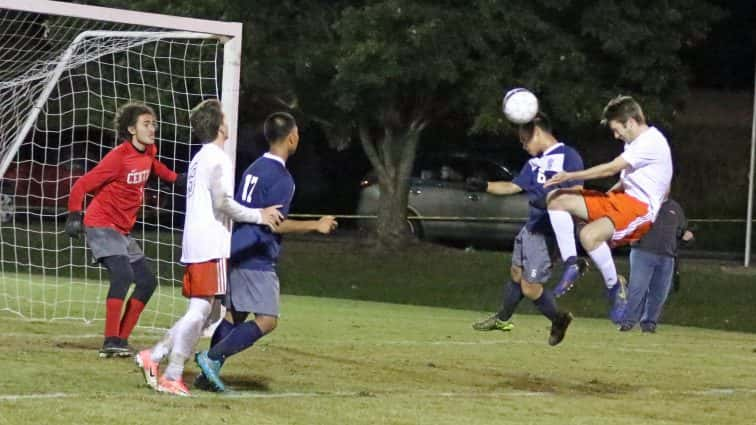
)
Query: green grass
[
  {"x": 422, "y": 274},
  {"x": 354, "y": 362},
  {"x": 434, "y": 276}
]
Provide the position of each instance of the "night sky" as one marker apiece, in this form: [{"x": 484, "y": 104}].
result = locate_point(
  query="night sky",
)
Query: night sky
[{"x": 726, "y": 59}]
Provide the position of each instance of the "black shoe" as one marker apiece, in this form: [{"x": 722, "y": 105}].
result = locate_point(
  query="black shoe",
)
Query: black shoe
[
  {"x": 130, "y": 351},
  {"x": 201, "y": 382},
  {"x": 649, "y": 328},
  {"x": 626, "y": 327},
  {"x": 559, "y": 327},
  {"x": 114, "y": 347}
]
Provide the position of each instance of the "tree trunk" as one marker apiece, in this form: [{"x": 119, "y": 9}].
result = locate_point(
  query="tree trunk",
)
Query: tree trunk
[{"x": 392, "y": 157}]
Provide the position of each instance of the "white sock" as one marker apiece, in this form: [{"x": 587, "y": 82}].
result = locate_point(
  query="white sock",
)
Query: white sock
[
  {"x": 564, "y": 229},
  {"x": 175, "y": 369},
  {"x": 602, "y": 258},
  {"x": 186, "y": 333},
  {"x": 162, "y": 348}
]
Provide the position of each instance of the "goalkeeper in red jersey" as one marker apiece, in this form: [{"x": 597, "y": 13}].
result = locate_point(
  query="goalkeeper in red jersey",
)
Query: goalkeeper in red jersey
[{"x": 117, "y": 183}]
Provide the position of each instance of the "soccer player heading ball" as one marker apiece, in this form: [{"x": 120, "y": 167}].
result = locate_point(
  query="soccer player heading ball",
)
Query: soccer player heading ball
[{"x": 118, "y": 184}]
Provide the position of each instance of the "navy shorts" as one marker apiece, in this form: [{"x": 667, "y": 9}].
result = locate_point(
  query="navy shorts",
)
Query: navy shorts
[
  {"x": 532, "y": 252},
  {"x": 253, "y": 291}
]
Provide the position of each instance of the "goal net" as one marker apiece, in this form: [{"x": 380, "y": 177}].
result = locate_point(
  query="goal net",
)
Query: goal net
[{"x": 63, "y": 75}]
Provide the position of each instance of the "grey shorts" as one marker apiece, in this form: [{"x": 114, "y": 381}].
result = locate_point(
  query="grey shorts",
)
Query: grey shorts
[
  {"x": 253, "y": 291},
  {"x": 106, "y": 242},
  {"x": 532, "y": 252}
]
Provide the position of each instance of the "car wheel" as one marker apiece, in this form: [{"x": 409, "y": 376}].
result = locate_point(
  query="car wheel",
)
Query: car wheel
[{"x": 7, "y": 207}]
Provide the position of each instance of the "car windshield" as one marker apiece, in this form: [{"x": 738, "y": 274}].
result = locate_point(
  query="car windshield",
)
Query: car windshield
[{"x": 458, "y": 169}]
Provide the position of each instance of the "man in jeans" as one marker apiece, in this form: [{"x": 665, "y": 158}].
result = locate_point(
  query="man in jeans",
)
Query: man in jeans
[{"x": 652, "y": 266}]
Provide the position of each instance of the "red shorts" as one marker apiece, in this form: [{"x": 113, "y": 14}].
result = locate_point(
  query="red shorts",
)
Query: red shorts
[
  {"x": 631, "y": 217},
  {"x": 206, "y": 279}
]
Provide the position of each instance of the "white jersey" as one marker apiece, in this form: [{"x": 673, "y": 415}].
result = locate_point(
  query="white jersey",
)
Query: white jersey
[
  {"x": 650, "y": 172},
  {"x": 207, "y": 232}
]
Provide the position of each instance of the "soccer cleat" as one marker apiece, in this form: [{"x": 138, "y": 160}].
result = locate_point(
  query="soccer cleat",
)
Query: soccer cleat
[
  {"x": 574, "y": 269},
  {"x": 114, "y": 347},
  {"x": 143, "y": 359},
  {"x": 649, "y": 328},
  {"x": 211, "y": 369},
  {"x": 129, "y": 349},
  {"x": 201, "y": 382},
  {"x": 493, "y": 323},
  {"x": 618, "y": 297},
  {"x": 626, "y": 327},
  {"x": 559, "y": 327},
  {"x": 176, "y": 387}
]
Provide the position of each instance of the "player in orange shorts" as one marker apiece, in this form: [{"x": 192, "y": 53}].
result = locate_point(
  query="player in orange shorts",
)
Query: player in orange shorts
[
  {"x": 625, "y": 212},
  {"x": 205, "y": 246}
]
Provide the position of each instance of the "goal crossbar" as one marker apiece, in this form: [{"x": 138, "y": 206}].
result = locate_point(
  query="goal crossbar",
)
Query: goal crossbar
[{"x": 155, "y": 20}]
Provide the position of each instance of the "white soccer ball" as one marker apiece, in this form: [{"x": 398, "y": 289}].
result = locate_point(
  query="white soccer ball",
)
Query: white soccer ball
[{"x": 520, "y": 105}]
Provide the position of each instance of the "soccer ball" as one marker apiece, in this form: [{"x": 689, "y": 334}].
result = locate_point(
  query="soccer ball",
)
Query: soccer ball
[{"x": 520, "y": 105}]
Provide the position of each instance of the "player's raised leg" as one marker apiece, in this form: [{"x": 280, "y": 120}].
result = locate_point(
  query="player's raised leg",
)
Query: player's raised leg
[{"x": 563, "y": 205}]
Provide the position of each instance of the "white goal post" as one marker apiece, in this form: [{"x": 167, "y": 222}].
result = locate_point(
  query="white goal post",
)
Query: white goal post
[{"x": 64, "y": 70}]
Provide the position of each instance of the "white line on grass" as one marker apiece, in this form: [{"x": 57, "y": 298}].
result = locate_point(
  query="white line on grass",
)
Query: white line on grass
[
  {"x": 49, "y": 336},
  {"x": 16, "y": 397},
  {"x": 251, "y": 394}
]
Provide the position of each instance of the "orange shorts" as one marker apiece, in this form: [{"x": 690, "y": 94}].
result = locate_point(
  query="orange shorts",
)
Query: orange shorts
[
  {"x": 206, "y": 279},
  {"x": 631, "y": 217}
]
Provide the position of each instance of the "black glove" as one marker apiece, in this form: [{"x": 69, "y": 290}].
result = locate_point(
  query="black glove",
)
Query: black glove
[
  {"x": 74, "y": 224},
  {"x": 476, "y": 184},
  {"x": 179, "y": 186},
  {"x": 539, "y": 203}
]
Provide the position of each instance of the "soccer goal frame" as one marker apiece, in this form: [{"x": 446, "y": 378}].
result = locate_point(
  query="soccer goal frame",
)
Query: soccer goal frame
[
  {"x": 55, "y": 285},
  {"x": 230, "y": 34}
]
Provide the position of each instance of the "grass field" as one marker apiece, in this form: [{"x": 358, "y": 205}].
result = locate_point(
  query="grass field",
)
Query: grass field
[{"x": 353, "y": 362}]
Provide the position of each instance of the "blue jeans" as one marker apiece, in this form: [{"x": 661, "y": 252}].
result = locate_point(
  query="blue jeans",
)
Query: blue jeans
[{"x": 650, "y": 280}]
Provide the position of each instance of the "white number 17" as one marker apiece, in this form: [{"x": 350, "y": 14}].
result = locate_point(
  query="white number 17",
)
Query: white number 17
[{"x": 249, "y": 186}]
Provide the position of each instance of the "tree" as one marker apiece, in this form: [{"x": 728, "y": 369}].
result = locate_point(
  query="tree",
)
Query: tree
[{"x": 382, "y": 71}]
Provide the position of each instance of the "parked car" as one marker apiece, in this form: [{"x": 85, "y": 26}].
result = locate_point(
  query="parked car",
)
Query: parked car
[{"x": 437, "y": 189}]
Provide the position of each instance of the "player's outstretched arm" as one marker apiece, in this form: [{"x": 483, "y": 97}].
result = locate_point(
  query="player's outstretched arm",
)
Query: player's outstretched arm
[
  {"x": 597, "y": 172},
  {"x": 224, "y": 202},
  {"x": 503, "y": 188},
  {"x": 324, "y": 225},
  {"x": 105, "y": 172},
  {"x": 164, "y": 172}
]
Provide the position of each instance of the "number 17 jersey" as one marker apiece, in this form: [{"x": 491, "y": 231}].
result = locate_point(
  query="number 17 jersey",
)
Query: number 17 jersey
[{"x": 265, "y": 183}]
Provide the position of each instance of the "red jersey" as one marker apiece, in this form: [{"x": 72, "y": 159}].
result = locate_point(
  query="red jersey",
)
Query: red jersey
[{"x": 118, "y": 184}]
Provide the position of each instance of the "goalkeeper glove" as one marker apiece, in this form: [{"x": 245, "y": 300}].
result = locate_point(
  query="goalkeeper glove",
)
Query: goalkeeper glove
[
  {"x": 476, "y": 184},
  {"x": 180, "y": 183},
  {"x": 74, "y": 224}
]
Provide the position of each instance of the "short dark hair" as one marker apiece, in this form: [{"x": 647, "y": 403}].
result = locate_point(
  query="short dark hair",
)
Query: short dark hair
[
  {"x": 277, "y": 126},
  {"x": 541, "y": 121},
  {"x": 206, "y": 119},
  {"x": 622, "y": 108},
  {"x": 127, "y": 116}
]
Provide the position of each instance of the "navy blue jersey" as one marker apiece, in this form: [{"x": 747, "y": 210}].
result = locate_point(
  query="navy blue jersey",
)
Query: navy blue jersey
[
  {"x": 534, "y": 174},
  {"x": 265, "y": 183}
]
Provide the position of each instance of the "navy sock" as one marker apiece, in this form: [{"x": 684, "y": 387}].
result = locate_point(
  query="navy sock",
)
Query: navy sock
[
  {"x": 241, "y": 337},
  {"x": 546, "y": 304},
  {"x": 222, "y": 331},
  {"x": 512, "y": 297}
]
